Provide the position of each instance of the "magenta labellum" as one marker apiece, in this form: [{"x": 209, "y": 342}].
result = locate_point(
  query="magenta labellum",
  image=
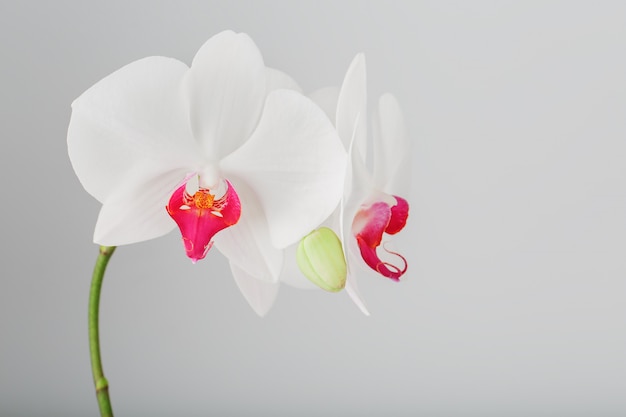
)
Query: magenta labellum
[
  {"x": 368, "y": 227},
  {"x": 200, "y": 216}
]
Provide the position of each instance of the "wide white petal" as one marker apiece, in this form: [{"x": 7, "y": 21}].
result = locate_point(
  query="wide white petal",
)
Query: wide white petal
[
  {"x": 133, "y": 115},
  {"x": 392, "y": 148},
  {"x": 352, "y": 107},
  {"x": 295, "y": 163},
  {"x": 326, "y": 98},
  {"x": 135, "y": 210},
  {"x": 259, "y": 294},
  {"x": 226, "y": 89},
  {"x": 277, "y": 79},
  {"x": 247, "y": 244}
]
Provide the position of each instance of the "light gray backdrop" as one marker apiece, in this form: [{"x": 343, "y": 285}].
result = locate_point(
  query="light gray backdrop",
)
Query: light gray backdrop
[{"x": 515, "y": 300}]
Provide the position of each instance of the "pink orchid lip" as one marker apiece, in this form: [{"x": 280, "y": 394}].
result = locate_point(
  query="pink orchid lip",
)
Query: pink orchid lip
[
  {"x": 200, "y": 216},
  {"x": 373, "y": 221}
]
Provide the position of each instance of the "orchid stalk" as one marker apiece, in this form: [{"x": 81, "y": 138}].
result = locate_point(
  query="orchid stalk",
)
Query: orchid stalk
[{"x": 100, "y": 382}]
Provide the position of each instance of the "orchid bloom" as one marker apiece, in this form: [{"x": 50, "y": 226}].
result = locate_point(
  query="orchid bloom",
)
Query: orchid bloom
[
  {"x": 226, "y": 145},
  {"x": 372, "y": 209}
]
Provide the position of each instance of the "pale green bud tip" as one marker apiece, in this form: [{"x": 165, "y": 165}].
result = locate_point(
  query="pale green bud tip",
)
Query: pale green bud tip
[{"x": 320, "y": 258}]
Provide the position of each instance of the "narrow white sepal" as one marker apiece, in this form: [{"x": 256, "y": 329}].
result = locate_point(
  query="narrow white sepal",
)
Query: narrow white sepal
[
  {"x": 291, "y": 274},
  {"x": 351, "y": 103},
  {"x": 392, "y": 148},
  {"x": 258, "y": 293},
  {"x": 247, "y": 243},
  {"x": 355, "y": 295}
]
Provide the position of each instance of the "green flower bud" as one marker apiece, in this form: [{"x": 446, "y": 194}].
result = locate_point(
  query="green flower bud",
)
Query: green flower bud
[{"x": 320, "y": 258}]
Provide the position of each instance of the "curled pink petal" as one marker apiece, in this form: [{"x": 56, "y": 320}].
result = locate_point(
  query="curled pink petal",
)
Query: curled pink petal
[
  {"x": 200, "y": 216},
  {"x": 399, "y": 215},
  {"x": 368, "y": 227},
  {"x": 386, "y": 269}
]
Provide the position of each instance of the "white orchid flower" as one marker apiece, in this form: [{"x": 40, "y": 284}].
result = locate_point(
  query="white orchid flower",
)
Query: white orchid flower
[
  {"x": 372, "y": 209},
  {"x": 224, "y": 145}
]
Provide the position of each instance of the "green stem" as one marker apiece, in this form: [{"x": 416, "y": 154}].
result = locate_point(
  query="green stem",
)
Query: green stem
[{"x": 101, "y": 383}]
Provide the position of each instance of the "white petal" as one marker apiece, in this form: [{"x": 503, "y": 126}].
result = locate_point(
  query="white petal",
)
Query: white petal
[
  {"x": 277, "y": 79},
  {"x": 352, "y": 106},
  {"x": 295, "y": 163},
  {"x": 135, "y": 210},
  {"x": 259, "y": 294},
  {"x": 135, "y": 114},
  {"x": 226, "y": 90},
  {"x": 327, "y": 98},
  {"x": 391, "y": 148},
  {"x": 247, "y": 244}
]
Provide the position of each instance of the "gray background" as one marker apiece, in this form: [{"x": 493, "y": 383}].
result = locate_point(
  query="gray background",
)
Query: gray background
[{"x": 515, "y": 300}]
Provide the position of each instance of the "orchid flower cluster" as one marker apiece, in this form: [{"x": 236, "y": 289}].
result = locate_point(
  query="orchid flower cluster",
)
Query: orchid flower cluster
[{"x": 234, "y": 155}]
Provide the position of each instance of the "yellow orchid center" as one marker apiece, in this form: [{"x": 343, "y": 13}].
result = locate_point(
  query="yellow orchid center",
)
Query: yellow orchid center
[{"x": 203, "y": 199}]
